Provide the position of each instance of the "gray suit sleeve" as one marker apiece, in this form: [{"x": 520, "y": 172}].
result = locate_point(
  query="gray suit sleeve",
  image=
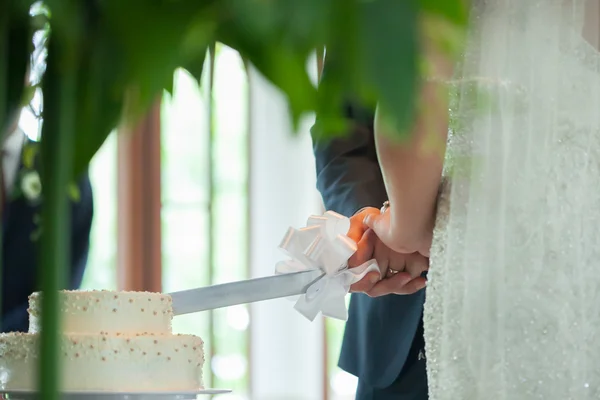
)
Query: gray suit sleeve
[{"x": 348, "y": 173}]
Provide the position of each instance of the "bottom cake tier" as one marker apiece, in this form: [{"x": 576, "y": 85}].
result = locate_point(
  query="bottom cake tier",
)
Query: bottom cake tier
[{"x": 107, "y": 362}]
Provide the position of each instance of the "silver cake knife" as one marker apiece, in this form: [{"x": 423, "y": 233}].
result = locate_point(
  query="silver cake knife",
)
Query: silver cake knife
[{"x": 243, "y": 292}]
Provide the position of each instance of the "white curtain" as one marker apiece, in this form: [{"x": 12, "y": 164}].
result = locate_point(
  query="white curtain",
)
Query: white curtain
[{"x": 286, "y": 349}]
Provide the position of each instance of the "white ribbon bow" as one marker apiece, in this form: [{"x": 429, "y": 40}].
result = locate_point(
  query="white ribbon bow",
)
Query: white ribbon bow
[{"x": 323, "y": 244}]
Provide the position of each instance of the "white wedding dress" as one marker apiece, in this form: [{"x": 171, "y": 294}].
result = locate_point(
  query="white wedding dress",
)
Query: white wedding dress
[{"x": 513, "y": 300}]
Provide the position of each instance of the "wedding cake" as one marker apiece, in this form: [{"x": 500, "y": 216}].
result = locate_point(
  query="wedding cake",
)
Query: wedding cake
[{"x": 112, "y": 341}]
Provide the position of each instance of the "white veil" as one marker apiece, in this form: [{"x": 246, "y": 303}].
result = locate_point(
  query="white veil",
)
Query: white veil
[{"x": 513, "y": 303}]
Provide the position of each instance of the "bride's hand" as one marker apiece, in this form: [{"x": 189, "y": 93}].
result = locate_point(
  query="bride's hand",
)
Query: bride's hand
[{"x": 400, "y": 240}]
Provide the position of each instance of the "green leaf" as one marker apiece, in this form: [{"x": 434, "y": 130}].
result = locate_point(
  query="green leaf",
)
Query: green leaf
[
  {"x": 345, "y": 79},
  {"x": 121, "y": 75},
  {"x": 280, "y": 65},
  {"x": 74, "y": 193},
  {"x": 68, "y": 21},
  {"x": 308, "y": 23},
  {"x": 447, "y": 37},
  {"x": 195, "y": 66},
  {"x": 271, "y": 36},
  {"x": 456, "y": 12},
  {"x": 100, "y": 87},
  {"x": 28, "y": 93},
  {"x": 335, "y": 91},
  {"x": 39, "y": 21},
  {"x": 15, "y": 49},
  {"x": 371, "y": 58},
  {"x": 155, "y": 42},
  {"x": 29, "y": 153},
  {"x": 389, "y": 49}
]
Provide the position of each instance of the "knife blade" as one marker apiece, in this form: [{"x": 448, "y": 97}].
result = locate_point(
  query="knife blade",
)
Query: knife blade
[{"x": 243, "y": 292}]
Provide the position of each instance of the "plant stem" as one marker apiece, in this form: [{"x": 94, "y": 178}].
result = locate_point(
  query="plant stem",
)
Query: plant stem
[
  {"x": 4, "y": 59},
  {"x": 4, "y": 123},
  {"x": 57, "y": 154}
]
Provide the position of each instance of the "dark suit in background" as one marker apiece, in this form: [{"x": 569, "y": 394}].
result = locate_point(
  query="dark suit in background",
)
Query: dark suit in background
[
  {"x": 19, "y": 253},
  {"x": 383, "y": 341}
]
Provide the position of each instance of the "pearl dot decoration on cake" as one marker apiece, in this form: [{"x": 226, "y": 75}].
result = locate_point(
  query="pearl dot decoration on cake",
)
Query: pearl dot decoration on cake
[
  {"x": 108, "y": 345},
  {"x": 90, "y": 312}
]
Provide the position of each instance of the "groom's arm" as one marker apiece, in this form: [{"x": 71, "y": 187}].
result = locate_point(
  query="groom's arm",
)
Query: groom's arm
[
  {"x": 349, "y": 179},
  {"x": 348, "y": 173}
]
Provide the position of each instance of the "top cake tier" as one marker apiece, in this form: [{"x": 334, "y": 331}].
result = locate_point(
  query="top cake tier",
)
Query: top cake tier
[{"x": 108, "y": 312}]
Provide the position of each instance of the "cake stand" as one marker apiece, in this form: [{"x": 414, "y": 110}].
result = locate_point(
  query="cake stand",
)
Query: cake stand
[{"x": 89, "y": 395}]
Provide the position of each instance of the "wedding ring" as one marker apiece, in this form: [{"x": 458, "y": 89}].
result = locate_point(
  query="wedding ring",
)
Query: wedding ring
[
  {"x": 386, "y": 205},
  {"x": 392, "y": 272}
]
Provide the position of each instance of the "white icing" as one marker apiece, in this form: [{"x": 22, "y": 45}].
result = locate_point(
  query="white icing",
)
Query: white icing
[
  {"x": 107, "y": 311},
  {"x": 107, "y": 350}
]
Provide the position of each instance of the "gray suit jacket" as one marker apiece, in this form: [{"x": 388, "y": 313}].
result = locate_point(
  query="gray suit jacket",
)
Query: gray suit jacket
[{"x": 379, "y": 331}]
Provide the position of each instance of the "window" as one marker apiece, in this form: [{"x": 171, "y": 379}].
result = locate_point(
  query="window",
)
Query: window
[
  {"x": 101, "y": 270},
  {"x": 341, "y": 385},
  {"x": 205, "y": 206}
]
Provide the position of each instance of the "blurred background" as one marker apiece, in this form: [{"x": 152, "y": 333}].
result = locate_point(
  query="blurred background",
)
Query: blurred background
[{"x": 201, "y": 193}]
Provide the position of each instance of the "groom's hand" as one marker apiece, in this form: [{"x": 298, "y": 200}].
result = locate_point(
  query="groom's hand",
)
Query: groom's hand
[
  {"x": 407, "y": 281},
  {"x": 365, "y": 240}
]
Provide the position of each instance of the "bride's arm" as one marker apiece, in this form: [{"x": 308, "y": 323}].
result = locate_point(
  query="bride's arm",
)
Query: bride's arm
[{"x": 412, "y": 168}]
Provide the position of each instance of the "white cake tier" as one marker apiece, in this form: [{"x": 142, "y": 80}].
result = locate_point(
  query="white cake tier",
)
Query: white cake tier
[
  {"x": 107, "y": 362},
  {"x": 107, "y": 311}
]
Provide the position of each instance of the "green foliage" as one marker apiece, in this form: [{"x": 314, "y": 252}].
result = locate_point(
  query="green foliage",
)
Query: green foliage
[
  {"x": 455, "y": 12},
  {"x": 124, "y": 53},
  {"x": 15, "y": 48}
]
